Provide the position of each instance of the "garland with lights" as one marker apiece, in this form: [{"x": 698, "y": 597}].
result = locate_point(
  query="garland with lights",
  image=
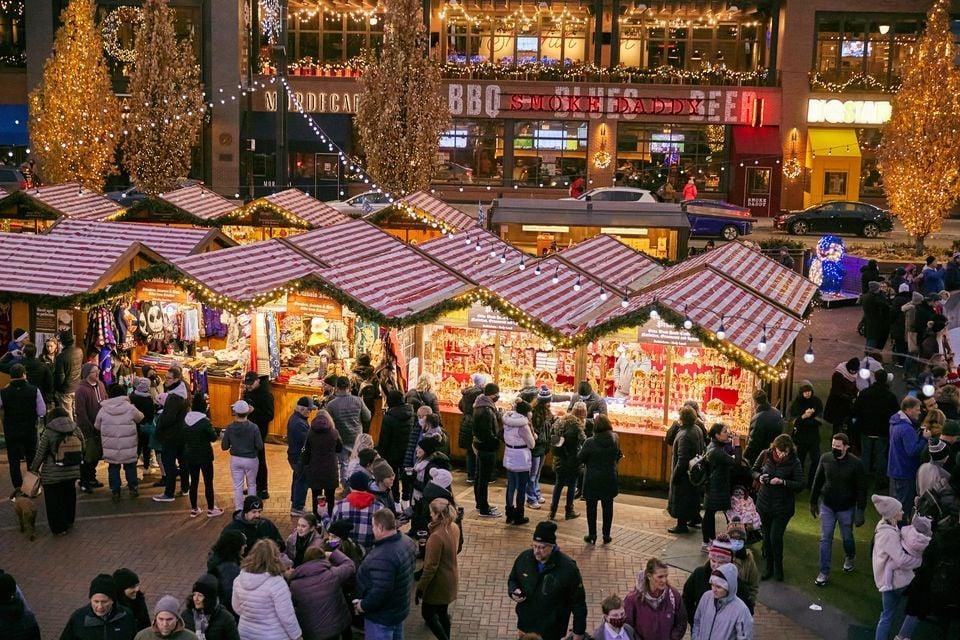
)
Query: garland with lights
[
  {"x": 405, "y": 209},
  {"x": 110, "y": 29},
  {"x": 259, "y": 204},
  {"x": 23, "y": 199},
  {"x": 157, "y": 208},
  {"x": 859, "y": 80}
]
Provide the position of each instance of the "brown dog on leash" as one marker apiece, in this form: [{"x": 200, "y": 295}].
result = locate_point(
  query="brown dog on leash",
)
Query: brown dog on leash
[{"x": 26, "y": 516}]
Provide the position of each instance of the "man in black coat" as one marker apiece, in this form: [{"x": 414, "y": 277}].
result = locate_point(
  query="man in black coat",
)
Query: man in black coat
[
  {"x": 66, "y": 372},
  {"x": 22, "y": 406},
  {"x": 465, "y": 439},
  {"x": 876, "y": 317},
  {"x": 547, "y": 587},
  {"x": 898, "y": 323},
  {"x": 766, "y": 425},
  {"x": 103, "y": 618},
  {"x": 38, "y": 373},
  {"x": 487, "y": 427},
  {"x": 872, "y": 411},
  {"x": 256, "y": 393},
  {"x": 250, "y": 522}
]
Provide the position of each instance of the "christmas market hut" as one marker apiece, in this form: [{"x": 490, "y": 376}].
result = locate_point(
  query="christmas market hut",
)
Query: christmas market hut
[
  {"x": 419, "y": 217},
  {"x": 35, "y": 209},
  {"x": 170, "y": 242},
  {"x": 284, "y": 213}
]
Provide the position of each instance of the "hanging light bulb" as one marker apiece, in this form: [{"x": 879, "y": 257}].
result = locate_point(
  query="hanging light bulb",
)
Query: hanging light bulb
[
  {"x": 537, "y": 271},
  {"x": 687, "y": 322},
  {"x": 625, "y": 302},
  {"x": 503, "y": 257},
  {"x": 721, "y": 332},
  {"x": 576, "y": 285},
  {"x": 468, "y": 240},
  {"x": 493, "y": 252},
  {"x": 522, "y": 264},
  {"x": 654, "y": 314},
  {"x": 478, "y": 248},
  {"x": 556, "y": 275},
  {"x": 603, "y": 293},
  {"x": 762, "y": 346},
  {"x": 808, "y": 357}
]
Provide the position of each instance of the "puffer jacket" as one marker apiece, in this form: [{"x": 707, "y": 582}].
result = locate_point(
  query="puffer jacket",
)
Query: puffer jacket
[
  {"x": 395, "y": 430},
  {"x": 778, "y": 499},
  {"x": 265, "y": 608},
  {"x": 349, "y": 413},
  {"x": 728, "y": 619},
  {"x": 43, "y": 460},
  {"x": 318, "y": 597},
  {"x": 487, "y": 424},
  {"x": 117, "y": 424},
  {"x": 893, "y": 567},
  {"x": 384, "y": 579},
  {"x": 198, "y": 433},
  {"x": 518, "y": 441},
  {"x": 720, "y": 465},
  {"x": 84, "y": 624},
  {"x": 906, "y": 447},
  {"x": 665, "y": 621}
]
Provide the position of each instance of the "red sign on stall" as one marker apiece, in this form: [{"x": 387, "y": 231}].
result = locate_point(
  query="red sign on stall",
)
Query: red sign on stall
[
  {"x": 305, "y": 304},
  {"x": 162, "y": 292}
]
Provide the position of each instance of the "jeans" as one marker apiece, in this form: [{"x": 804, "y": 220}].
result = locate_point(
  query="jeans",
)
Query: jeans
[
  {"x": 343, "y": 460},
  {"x": 909, "y": 626},
  {"x": 892, "y": 600},
  {"x": 173, "y": 467},
  {"x": 243, "y": 469},
  {"x": 607, "y": 504},
  {"x": 298, "y": 487},
  {"x": 437, "y": 619},
  {"x": 829, "y": 519},
  {"x": 374, "y": 631},
  {"x": 568, "y": 480},
  {"x": 773, "y": 528},
  {"x": 20, "y": 448},
  {"x": 129, "y": 471},
  {"x": 61, "y": 501},
  {"x": 196, "y": 469},
  {"x": 471, "y": 464},
  {"x": 533, "y": 484},
  {"x": 906, "y": 492},
  {"x": 485, "y": 462},
  {"x": 875, "y": 455},
  {"x": 876, "y": 343},
  {"x": 812, "y": 452},
  {"x": 516, "y": 486}
]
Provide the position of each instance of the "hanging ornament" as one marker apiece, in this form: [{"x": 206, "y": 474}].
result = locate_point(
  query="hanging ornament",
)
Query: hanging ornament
[
  {"x": 602, "y": 158},
  {"x": 792, "y": 168},
  {"x": 270, "y": 20},
  {"x": 110, "y": 29}
]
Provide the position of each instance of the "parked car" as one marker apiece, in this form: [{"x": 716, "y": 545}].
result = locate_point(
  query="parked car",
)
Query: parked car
[
  {"x": 11, "y": 179},
  {"x": 616, "y": 194},
  {"x": 354, "y": 206},
  {"x": 839, "y": 216},
  {"x": 131, "y": 196},
  {"x": 714, "y": 218}
]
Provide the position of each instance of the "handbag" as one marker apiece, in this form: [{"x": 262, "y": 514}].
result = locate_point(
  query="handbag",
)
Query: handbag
[{"x": 31, "y": 485}]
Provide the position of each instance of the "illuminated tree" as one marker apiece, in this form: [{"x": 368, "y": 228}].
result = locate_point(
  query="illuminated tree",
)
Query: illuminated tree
[
  {"x": 74, "y": 115},
  {"x": 166, "y": 103},
  {"x": 402, "y": 109},
  {"x": 919, "y": 155}
]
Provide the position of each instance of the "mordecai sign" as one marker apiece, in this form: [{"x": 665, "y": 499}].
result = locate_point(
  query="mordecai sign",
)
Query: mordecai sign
[{"x": 848, "y": 111}]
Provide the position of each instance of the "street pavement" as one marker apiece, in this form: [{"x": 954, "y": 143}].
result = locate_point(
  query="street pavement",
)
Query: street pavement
[{"x": 763, "y": 230}]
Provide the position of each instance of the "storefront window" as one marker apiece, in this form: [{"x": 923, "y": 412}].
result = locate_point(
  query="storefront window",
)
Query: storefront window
[
  {"x": 650, "y": 154},
  {"x": 471, "y": 152},
  {"x": 834, "y": 183},
  {"x": 12, "y": 43},
  {"x": 515, "y": 38},
  {"x": 871, "y": 180},
  {"x": 317, "y": 37},
  {"x": 544, "y": 150},
  {"x": 732, "y": 44}
]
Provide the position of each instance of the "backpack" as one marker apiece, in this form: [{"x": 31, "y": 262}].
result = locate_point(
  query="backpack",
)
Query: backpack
[
  {"x": 68, "y": 451},
  {"x": 698, "y": 471}
]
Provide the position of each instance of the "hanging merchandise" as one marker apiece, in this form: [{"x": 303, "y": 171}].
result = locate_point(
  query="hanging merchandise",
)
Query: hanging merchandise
[
  {"x": 213, "y": 324},
  {"x": 365, "y": 336},
  {"x": 273, "y": 345}
]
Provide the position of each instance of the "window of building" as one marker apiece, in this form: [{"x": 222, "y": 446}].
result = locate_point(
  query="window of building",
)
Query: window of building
[
  {"x": 871, "y": 180},
  {"x": 648, "y": 44},
  {"x": 834, "y": 183},
  {"x": 320, "y": 37},
  {"x": 12, "y": 43},
  {"x": 650, "y": 154},
  {"x": 471, "y": 152},
  {"x": 547, "y": 151}
]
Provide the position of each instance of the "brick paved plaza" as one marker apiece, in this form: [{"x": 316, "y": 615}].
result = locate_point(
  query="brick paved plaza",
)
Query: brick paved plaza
[{"x": 168, "y": 550}]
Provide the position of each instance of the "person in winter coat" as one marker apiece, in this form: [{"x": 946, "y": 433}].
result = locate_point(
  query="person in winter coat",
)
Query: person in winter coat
[
  {"x": 256, "y": 393},
  {"x": 721, "y": 458},
  {"x": 145, "y": 404},
  {"x": 898, "y": 326},
  {"x": 58, "y": 476},
  {"x": 931, "y": 277},
  {"x": 614, "y": 625},
  {"x": 599, "y": 456},
  {"x": 298, "y": 425},
  {"x": 167, "y": 622},
  {"x": 805, "y": 413},
  {"x": 654, "y": 608},
  {"x": 906, "y": 447},
  {"x": 872, "y": 411},
  {"x": 130, "y": 595},
  {"x": 223, "y": 562},
  {"x": 876, "y": 317},
  {"x": 358, "y": 508},
  {"x": 892, "y": 566},
  {"x": 261, "y": 596},
  {"x": 349, "y": 414},
  {"x": 690, "y": 190},
  {"x": 305, "y": 536},
  {"x": 23, "y": 406},
  {"x": 242, "y": 439},
  {"x": 546, "y": 585},
  {"x": 198, "y": 433},
  {"x": 843, "y": 391},
  {"x": 719, "y": 553},
  {"x": 398, "y": 421},
  {"x": 66, "y": 372},
  {"x": 748, "y": 582},
  {"x": 585, "y": 394},
  {"x": 423, "y": 395},
  {"x": 169, "y": 433},
  {"x": 566, "y": 441},
  {"x": 317, "y": 587},
  {"x": 117, "y": 423},
  {"x": 385, "y": 578},
  {"x": 517, "y": 459},
  {"x": 16, "y": 620},
  {"x": 440, "y": 577},
  {"x": 781, "y": 477},
  {"x": 767, "y": 424},
  {"x": 102, "y": 618},
  {"x": 204, "y": 613},
  {"x": 487, "y": 426},
  {"x": 250, "y": 522},
  {"x": 427, "y": 426},
  {"x": 320, "y": 460},
  {"x": 38, "y": 373},
  {"x": 541, "y": 420},
  {"x": 465, "y": 439},
  {"x": 869, "y": 272},
  {"x": 90, "y": 392},
  {"x": 721, "y": 615},
  {"x": 683, "y": 502},
  {"x": 951, "y": 275}
]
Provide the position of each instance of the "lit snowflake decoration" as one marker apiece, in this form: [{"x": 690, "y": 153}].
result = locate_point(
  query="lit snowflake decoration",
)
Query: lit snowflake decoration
[{"x": 270, "y": 19}]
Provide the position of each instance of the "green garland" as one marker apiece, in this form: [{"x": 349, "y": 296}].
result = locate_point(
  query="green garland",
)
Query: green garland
[
  {"x": 23, "y": 198},
  {"x": 151, "y": 208}
]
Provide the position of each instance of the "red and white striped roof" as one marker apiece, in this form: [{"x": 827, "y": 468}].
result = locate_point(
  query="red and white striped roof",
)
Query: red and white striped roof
[
  {"x": 74, "y": 201},
  {"x": 170, "y": 242},
  {"x": 613, "y": 262},
  {"x": 757, "y": 272},
  {"x": 297, "y": 203},
  {"x": 439, "y": 210},
  {"x": 475, "y": 253},
  {"x": 241, "y": 273},
  {"x": 346, "y": 242},
  {"x": 398, "y": 283},
  {"x": 200, "y": 202},
  {"x": 59, "y": 265}
]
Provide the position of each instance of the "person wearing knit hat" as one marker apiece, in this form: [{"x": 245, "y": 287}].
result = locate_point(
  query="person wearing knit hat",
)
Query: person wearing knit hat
[
  {"x": 101, "y": 617},
  {"x": 16, "y": 619},
  {"x": 805, "y": 414},
  {"x": 544, "y": 605},
  {"x": 90, "y": 393},
  {"x": 441, "y": 477},
  {"x": 384, "y": 478},
  {"x": 888, "y": 508},
  {"x": 487, "y": 426},
  {"x": 893, "y": 568},
  {"x": 205, "y": 614},
  {"x": 249, "y": 521},
  {"x": 357, "y": 508},
  {"x": 130, "y": 596},
  {"x": 167, "y": 622},
  {"x": 541, "y": 419}
]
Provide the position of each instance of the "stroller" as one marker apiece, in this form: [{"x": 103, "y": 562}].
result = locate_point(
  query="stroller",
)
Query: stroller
[{"x": 743, "y": 510}]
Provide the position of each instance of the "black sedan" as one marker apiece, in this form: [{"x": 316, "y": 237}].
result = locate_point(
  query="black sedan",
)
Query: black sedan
[{"x": 856, "y": 218}]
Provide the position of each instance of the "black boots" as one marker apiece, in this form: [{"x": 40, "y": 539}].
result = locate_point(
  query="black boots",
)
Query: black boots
[
  {"x": 515, "y": 516},
  {"x": 767, "y": 569},
  {"x": 778, "y": 570},
  {"x": 510, "y": 514}
]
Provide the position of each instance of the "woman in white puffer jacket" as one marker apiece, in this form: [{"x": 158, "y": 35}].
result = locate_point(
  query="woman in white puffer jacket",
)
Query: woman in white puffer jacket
[
  {"x": 517, "y": 459},
  {"x": 893, "y": 566},
  {"x": 261, "y": 597},
  {"x": 117, "y": 423}
]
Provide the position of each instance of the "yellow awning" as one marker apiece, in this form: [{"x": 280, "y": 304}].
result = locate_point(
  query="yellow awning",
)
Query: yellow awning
[{"x": 833, "y": 142}]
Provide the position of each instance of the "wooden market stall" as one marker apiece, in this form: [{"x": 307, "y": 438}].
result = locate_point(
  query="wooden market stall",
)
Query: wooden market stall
[
  {"x": 420, "y": 217},
  {"x": 281, "y": 213},
  {"x": 169, "y": 242},
  {"x": 34, "y": 210}
]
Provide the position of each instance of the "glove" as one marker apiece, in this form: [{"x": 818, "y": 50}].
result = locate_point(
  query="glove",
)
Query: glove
[
  {"x": 417, "y": 597},
  {"x": 859, "y": 519},
  {"x": 815, "y": 510}
]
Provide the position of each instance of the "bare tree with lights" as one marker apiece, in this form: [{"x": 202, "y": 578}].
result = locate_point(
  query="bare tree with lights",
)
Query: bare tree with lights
[
  {"x": 919, "y": 155},
  {"x": 166, "y": 103},
  {"x": 402, "y": 110},
  {"x": 74, "y": 114}
]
